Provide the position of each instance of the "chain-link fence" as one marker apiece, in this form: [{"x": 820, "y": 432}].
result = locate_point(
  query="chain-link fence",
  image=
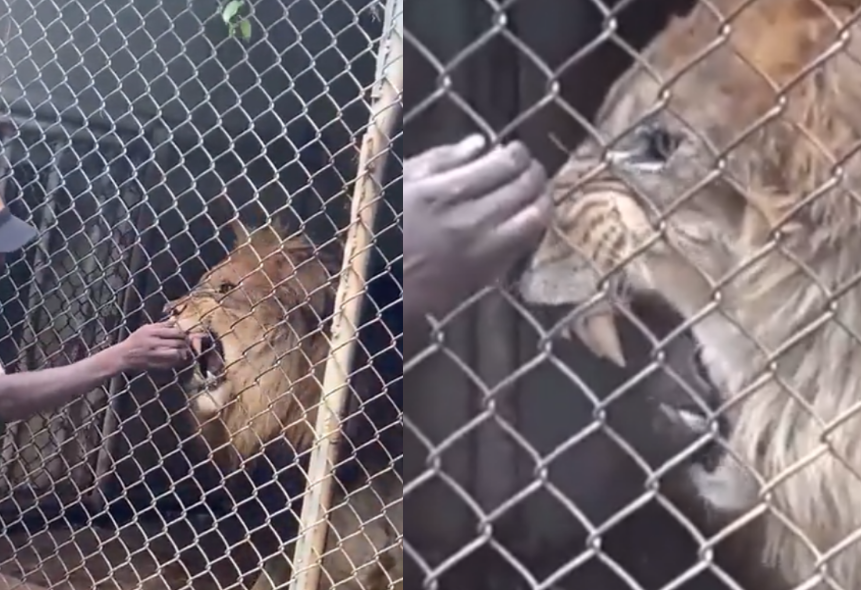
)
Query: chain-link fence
[
  {"x": 204, "y": 165},
  {"x": 662, "y": 395}
]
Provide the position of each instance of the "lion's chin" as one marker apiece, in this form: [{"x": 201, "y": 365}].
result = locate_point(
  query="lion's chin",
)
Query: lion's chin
[{"x": 210, "y": 399}]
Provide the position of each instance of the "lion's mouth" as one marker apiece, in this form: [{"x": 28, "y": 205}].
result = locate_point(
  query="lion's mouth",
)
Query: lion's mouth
[{"x": 209, "y": 355}]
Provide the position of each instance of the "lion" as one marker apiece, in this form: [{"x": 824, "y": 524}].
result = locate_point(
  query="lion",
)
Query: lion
[
  {"x": 257, "y": 325},
  {"x": 256, "y": 322},
  {"x": 730, "y": 189}
]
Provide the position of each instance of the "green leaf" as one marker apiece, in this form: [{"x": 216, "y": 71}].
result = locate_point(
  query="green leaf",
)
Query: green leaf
[
  {"x": 245, "y": 29},
  {"x": 231, "y": 9}
]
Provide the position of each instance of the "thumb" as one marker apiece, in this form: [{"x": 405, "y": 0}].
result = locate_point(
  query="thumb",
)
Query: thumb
[{"x": 444, "y": 157}]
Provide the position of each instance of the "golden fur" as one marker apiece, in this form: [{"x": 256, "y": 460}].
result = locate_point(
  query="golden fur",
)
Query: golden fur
[
  {"x": 760, "y": 252},
  {"x": 266, "y": 306},
  {"x": 265, "y": 303}
]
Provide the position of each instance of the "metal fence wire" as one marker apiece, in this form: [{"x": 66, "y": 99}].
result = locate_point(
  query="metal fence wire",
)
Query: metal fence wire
[
  {"x": 663, "y": 394},
  {"x": 232, "y": 168}
]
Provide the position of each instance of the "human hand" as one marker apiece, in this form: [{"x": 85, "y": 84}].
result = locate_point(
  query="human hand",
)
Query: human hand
[
  {"x": 154, "y": 346},
  {"x": 468, "y": 218}
]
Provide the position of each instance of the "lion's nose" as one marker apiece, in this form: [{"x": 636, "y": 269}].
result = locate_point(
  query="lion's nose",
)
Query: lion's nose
[{"x": 171, "y": 309}]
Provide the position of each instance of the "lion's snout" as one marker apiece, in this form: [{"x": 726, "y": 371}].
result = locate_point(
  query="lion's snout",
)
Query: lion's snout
[{"x": 172, "y": 309}]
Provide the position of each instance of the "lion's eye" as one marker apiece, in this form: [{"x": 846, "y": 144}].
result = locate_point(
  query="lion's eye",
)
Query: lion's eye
[
  {"x": 661, "y": 144},
  {"x": 226, "y": 287}
]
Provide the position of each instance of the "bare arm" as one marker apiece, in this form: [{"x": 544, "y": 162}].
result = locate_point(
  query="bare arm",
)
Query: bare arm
[
  {"x": 154, "y": 346},
  {"x": 27, "y": 393}
]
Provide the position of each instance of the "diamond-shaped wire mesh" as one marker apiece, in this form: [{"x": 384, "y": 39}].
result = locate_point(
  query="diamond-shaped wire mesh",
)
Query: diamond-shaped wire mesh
[
  {"x": 704, "y": 174},
  {"x": 195, "y": 164}
]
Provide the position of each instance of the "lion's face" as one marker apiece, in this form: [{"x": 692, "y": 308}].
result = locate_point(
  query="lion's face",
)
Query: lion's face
[{"x": 255, "y": 323}]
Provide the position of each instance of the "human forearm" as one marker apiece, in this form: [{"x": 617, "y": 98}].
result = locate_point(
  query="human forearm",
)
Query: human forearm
[{"x": 24, "y": 394}]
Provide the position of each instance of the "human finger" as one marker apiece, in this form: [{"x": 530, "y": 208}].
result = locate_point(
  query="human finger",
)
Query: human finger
[
  {"x": 482, "y": 176},
  {"x": 166, "y": 330},
  {"x": 164, "y": 365},
  {"x": 514, "y": 236},
  {"x": 444, "y": 157},
  {"x": 158, "y": 342},
  {"x": 506, "y": 202},
  {"x": 172, "y": 351},
  {"x": 164, "y": 357}
]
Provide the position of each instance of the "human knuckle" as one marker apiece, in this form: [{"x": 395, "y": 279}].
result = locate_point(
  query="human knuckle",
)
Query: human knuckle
[
  {"x": 464, "y": 230},
  {"x": 518, "y": 154},
  {"x": 532, "y": 178}
]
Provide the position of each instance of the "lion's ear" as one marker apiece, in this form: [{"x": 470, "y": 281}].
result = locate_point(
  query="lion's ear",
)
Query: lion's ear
[
  {"x": 280, "y": 227},
  {"x": 243, "y": 236},
  {"x": 227, "y": 212}
]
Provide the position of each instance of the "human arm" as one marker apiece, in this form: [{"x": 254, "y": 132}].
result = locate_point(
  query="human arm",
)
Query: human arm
[
  {"x": 468, "y": 217},
  {"x": 27, "y": 393}
]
